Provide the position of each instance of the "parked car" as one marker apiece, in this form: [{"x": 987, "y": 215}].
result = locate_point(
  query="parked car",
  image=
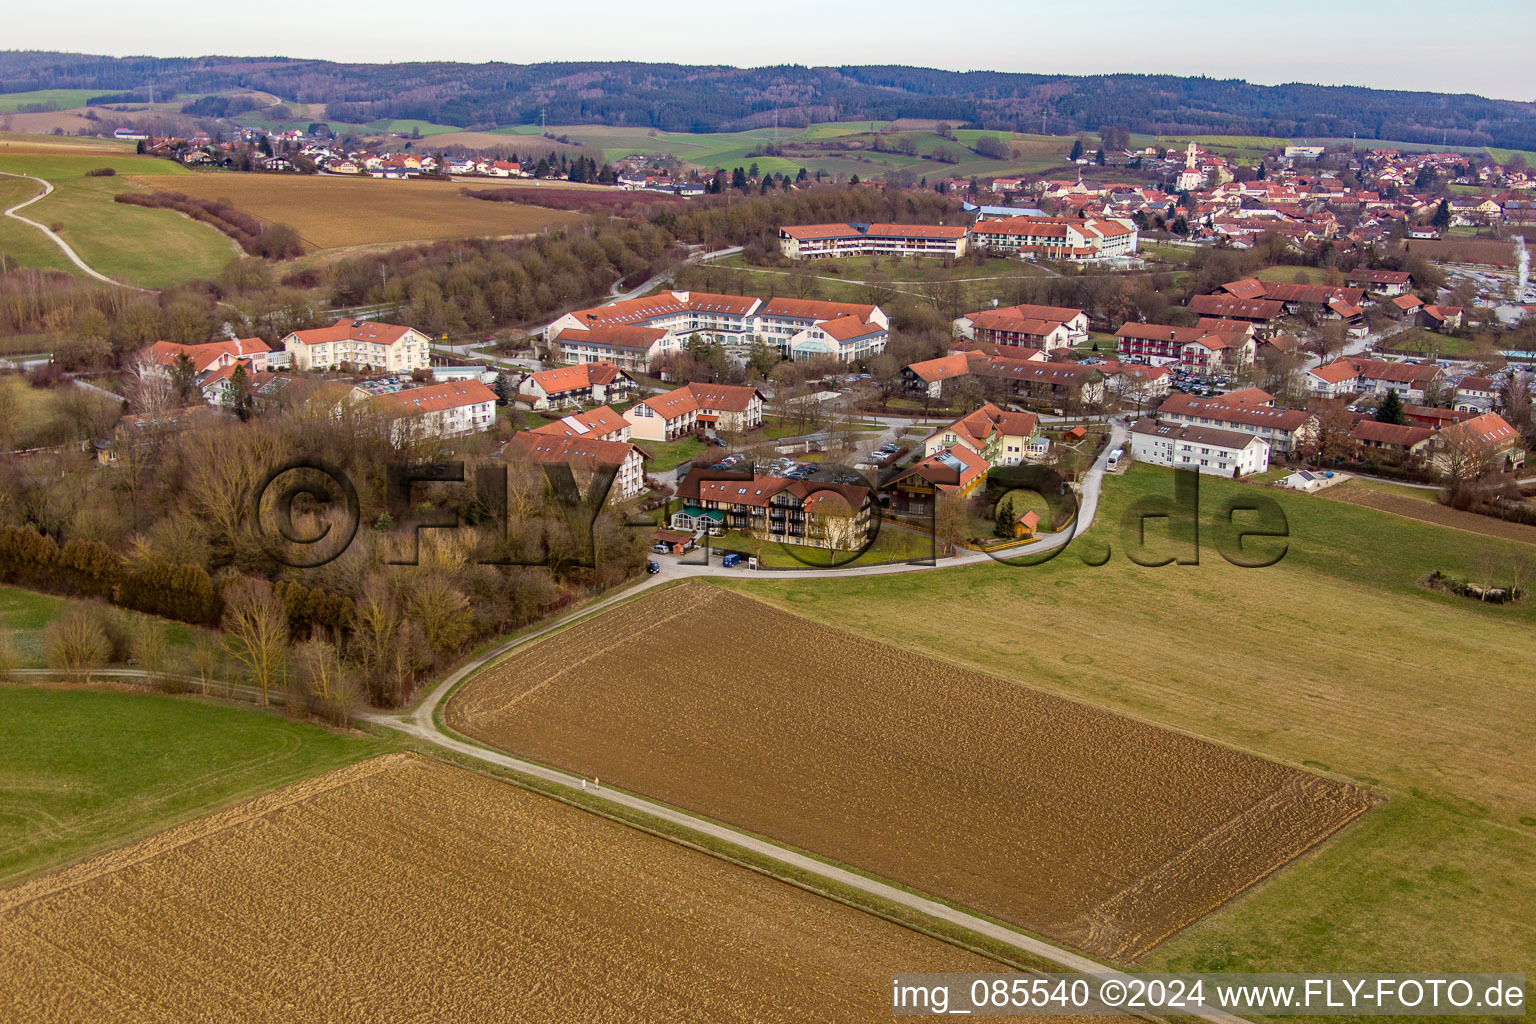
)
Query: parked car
[
  {"x": 730, "y": 561},
  {"x": 652, "y": 566},
  {"x": 660, "y": 548}
]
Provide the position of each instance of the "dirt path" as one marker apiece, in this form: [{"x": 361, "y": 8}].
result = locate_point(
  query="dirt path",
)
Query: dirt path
[{"x": 74, "y": 257}]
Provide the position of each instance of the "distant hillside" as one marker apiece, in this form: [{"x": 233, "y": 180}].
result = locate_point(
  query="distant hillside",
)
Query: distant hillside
[{"x": 714, "y": 99}]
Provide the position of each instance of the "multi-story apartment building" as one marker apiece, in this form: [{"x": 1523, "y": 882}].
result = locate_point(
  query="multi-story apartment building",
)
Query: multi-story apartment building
[
  {"x": 1031, "y": 326},
  {"x": 1056, "y": 238},
  {"x": 829, "y": 241},
  {"x": 586, "y": 455},
  {"x": 1194, "y": 348},
  {"x": 802, "y": 512},
  {"x": 389, "y": 348},
  {"x": 1208, "y": 450},
  {"x": 434, "y": 410},
  {"x": 635, "y": 333},
  {"x": 627, "y": 347},
  {"x": 1284, "y": 429},
  {"x": 723, "y": 408}
]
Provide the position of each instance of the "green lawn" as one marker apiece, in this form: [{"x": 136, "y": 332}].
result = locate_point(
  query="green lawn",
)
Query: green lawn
[
  {"x": 667, "y": 455},
  {"x": 1166, "y": 252},
  {"x": 1333, "y": 660},
  {"x": 150, "y": 248},
  {"x": 85, "y": 770}
]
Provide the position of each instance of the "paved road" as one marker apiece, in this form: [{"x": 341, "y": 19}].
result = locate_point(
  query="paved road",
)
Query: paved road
[{"x": 74, "y": 257}]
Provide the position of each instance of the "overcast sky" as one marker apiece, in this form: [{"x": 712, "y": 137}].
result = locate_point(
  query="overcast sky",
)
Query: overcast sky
[{"x": 1411, "y": 44}]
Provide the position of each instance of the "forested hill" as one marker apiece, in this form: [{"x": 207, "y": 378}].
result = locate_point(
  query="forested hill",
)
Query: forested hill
[{"x": 709, "y": 99}]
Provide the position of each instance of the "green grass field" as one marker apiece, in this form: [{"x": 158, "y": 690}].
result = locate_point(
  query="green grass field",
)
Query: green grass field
[
  {"x": 134, "y": 764},
  {"x": 1334, "y": 660},
  {"x": 149, "y": 248},
  {"x": 1291, "y": 275},
  {"x": 60, "y": 99},
  {"x": 23, "y": 245},
  {"x": 1421, "y": 342}
]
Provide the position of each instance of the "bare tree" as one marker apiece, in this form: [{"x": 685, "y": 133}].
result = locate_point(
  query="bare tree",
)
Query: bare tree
[
  {"x": 149, "y": 651},
  {"x": 256, "y": 630},
  {"x": 10, "y": 657},
  {"x": 205, "y": 657},
  {"x": 76, "y": 644}
]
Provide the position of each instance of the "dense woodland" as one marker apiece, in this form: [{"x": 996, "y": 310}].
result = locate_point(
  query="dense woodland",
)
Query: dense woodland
[{"x": 710, "y": 99}]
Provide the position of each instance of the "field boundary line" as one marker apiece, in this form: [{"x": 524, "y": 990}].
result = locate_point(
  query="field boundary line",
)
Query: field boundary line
[{"x": 198, "y": 828}]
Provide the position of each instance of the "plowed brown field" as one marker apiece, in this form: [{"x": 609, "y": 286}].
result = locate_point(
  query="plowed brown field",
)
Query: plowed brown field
[
  {"x": 404, "y": 889},
  {"x": 1089, "y": 827},
  {"x": 334, "y": 210}
]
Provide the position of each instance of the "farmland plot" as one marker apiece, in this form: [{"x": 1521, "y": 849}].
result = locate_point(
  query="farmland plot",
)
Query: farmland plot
[
  {"x": 1089, "y": 827},
  {"x": 404, "y": 889},
  {"x": 333, "y": 211}
]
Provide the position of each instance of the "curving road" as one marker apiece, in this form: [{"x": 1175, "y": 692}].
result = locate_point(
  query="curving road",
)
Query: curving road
[
  {"x": 422, "y": 723},
  {"x": 74, "y": 257}
]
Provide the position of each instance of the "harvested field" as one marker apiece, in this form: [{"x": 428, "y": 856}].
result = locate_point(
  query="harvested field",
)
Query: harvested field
[
  {"x": 587, "y": 200},
  {"x": 332, "y": 211},
  {"x": 1488, "y": 251},
  {"x": 1431, "y": 512},
  {"x": 404, "y": 889},
  {"x": 1089, "y": 827}
]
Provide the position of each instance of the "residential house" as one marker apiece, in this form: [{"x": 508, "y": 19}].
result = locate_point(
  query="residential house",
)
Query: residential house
[
  {"x": 596, "y": 383},
  {"x": 956, "y": 472},
  {"x": 1410, "y": 380},
  {"x": 1440, "y": 318},
  {"x": 1384, "y": 283},
  {"x": 1487, "y": 442},
  {"x": 996, "y": 435},
  {"x": 780, "y": 321},
  {"x": 1392, "y": 441},
  {"x": 1229, "y": 307},
  {"x": 161, "y": 357},
  {"x": 1341, "y": 377},
  {"x": 602, "y": 424},
  {"x": 1475, "y": 394}
]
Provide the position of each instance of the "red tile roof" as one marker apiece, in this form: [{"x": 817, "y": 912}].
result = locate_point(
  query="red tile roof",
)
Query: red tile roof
[
  {"x": 353, "y": 330},
  {"x": 434, "y": 398}
]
